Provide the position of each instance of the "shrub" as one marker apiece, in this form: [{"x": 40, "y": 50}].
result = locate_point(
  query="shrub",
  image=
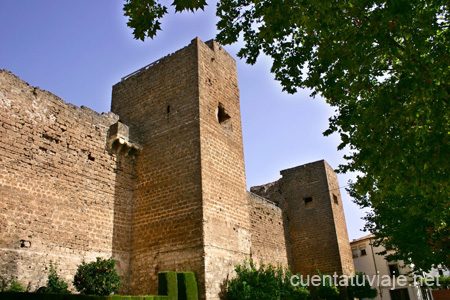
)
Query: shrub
[
  {"x": 168, "y": 284},
  {"x": 11, "y": 285},
  {"x": 187, "y": 286},
  {"x": 263, "y": 283},
  {"x": 359, "y": 287},
  {"x": 55, "y": 284},
  {"x": 436, "y": 283},
  {"x": 444, "y": 282},
  {"x": 97, "y": 278},
  {"x": 326, "y": 290}
]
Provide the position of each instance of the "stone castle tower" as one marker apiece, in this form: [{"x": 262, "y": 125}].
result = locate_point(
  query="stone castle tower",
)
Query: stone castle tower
[
  {"x": 158, "y": 183},
  {"x": 190, "y": 207},
  {"x": 316, "y": 232}
]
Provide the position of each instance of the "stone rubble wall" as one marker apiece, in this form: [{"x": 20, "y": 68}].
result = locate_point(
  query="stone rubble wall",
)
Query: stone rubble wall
[
  {"x": 63, "y": 196},
  {"x": 162, "y": 190},
  {"x": 316, "y": 234},
  {"x": 268, "y": 235},
  {"x": 226, "y": 220},
  {"x": 161, "y": 103}
]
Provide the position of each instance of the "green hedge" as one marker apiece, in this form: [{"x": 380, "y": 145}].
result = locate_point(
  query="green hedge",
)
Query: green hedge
[
  {"x": 34, "y": 296},
  {"x": 171, "y": 286},
  {"x": 168, "y": 284},
  {"x": 187, "y": 286}
]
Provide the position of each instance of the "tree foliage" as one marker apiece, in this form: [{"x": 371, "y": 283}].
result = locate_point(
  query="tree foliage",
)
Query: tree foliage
[
  {"x": 263, "y": 283},
  {"x": 327, "y": 290},
  {"x": 11, "y": 285},
  {"x": 384, "y": 66},
  {"x": 144, "y": 15},
  {"x": 360, "y": 288},
  {"x": 55, "y": 284},
  {"x": 436, "y": 283},
  {"x": 97, "y": 278}
]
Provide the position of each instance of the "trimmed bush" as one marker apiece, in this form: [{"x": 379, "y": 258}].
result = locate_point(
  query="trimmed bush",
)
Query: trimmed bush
[
  {"x": 118, "y": 297},
  {"x": 33, "y": 296},
  {"x": 187, "y": 286},
  {"x": 97, "y": 278},
  {"x": 168, "y": 284}
]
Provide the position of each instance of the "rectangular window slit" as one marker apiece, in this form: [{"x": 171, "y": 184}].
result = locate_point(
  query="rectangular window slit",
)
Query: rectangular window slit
[{"x": 308, "y": 201}]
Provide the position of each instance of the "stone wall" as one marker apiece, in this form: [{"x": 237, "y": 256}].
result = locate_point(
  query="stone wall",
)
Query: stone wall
[
  {"x": 163, "y": 189},
  {"x": 191, "y": 208},
  {"x": 161, "y": 103},
  {"x": 345, "y": 252},
  {"x": 63, "y": 196},
  {"x": 316, "y": 233},
  {"x": 225, "y": 204},
  {"x": 267, "y": 229}
]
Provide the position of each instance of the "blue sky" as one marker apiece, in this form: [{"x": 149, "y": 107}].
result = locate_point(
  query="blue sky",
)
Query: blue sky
[{"x": 79, "y": 49}]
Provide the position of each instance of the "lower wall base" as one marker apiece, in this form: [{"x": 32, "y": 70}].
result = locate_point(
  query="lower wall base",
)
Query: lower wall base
[
  {"x": 31, "y": 267},
  {"x": 145, "y": 266},
  {"x": 219, "y": 269}
]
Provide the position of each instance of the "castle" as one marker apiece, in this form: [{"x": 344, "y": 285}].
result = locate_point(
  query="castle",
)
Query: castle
[{"x": 158, "y": 183}]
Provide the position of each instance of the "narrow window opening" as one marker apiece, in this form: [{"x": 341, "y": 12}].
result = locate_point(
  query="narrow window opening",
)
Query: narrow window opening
[
  {"x": 223, "y": 117},
  {"x": 25, "y": 244},
  {"x": 393, "y": 270},
  {"x": 90, "y": 157},
  {"x": 168, "y": 108},
  {"x": 362, "y": 249},
  {"x": 308, "y": 201},
  {"x": 335, "y": 198},
  {"x": 399, "y": 294}
]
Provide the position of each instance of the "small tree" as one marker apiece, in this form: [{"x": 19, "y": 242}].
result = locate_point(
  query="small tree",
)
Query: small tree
[
  {"x": 326, "y": 290},
  {"x": 97, "y": 278},
  {"x": 11, "y": 285},
  {"x": 263, "y": 283},
  {"x": 55, "y": 284},
  {"x": 360, "y": 288}
]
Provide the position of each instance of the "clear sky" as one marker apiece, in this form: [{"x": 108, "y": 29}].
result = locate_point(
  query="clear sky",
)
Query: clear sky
[{"x": 79, "y": 49}]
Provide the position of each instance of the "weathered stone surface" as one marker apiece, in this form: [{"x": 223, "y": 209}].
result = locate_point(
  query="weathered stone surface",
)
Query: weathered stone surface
[
  {"x": 268, "y": 234},
  {"x": 63, "y": 196},
  {"x": 316, "y": 233},
  {"x": 162, "y": 190}
]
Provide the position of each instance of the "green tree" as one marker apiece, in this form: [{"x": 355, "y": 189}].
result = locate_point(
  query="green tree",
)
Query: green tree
[
  {"x": 436, "y": 283},
  {"x": 11, "y": 285},
  {"x": 326, "y": 290},
  {"x": 97, "y": 278},
  {"x": 55, "y": 284},
  {"x": 359, "y": 287},
  {"x": 384, "y": 66}
]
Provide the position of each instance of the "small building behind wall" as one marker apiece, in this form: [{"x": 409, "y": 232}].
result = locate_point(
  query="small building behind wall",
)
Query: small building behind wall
[{"x": 376, "y": 266}]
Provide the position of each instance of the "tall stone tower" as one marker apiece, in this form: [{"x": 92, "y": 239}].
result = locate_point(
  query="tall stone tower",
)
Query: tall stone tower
[
  {"x": 190, "y": 209},
  {"x": 315, "y": 229}
]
